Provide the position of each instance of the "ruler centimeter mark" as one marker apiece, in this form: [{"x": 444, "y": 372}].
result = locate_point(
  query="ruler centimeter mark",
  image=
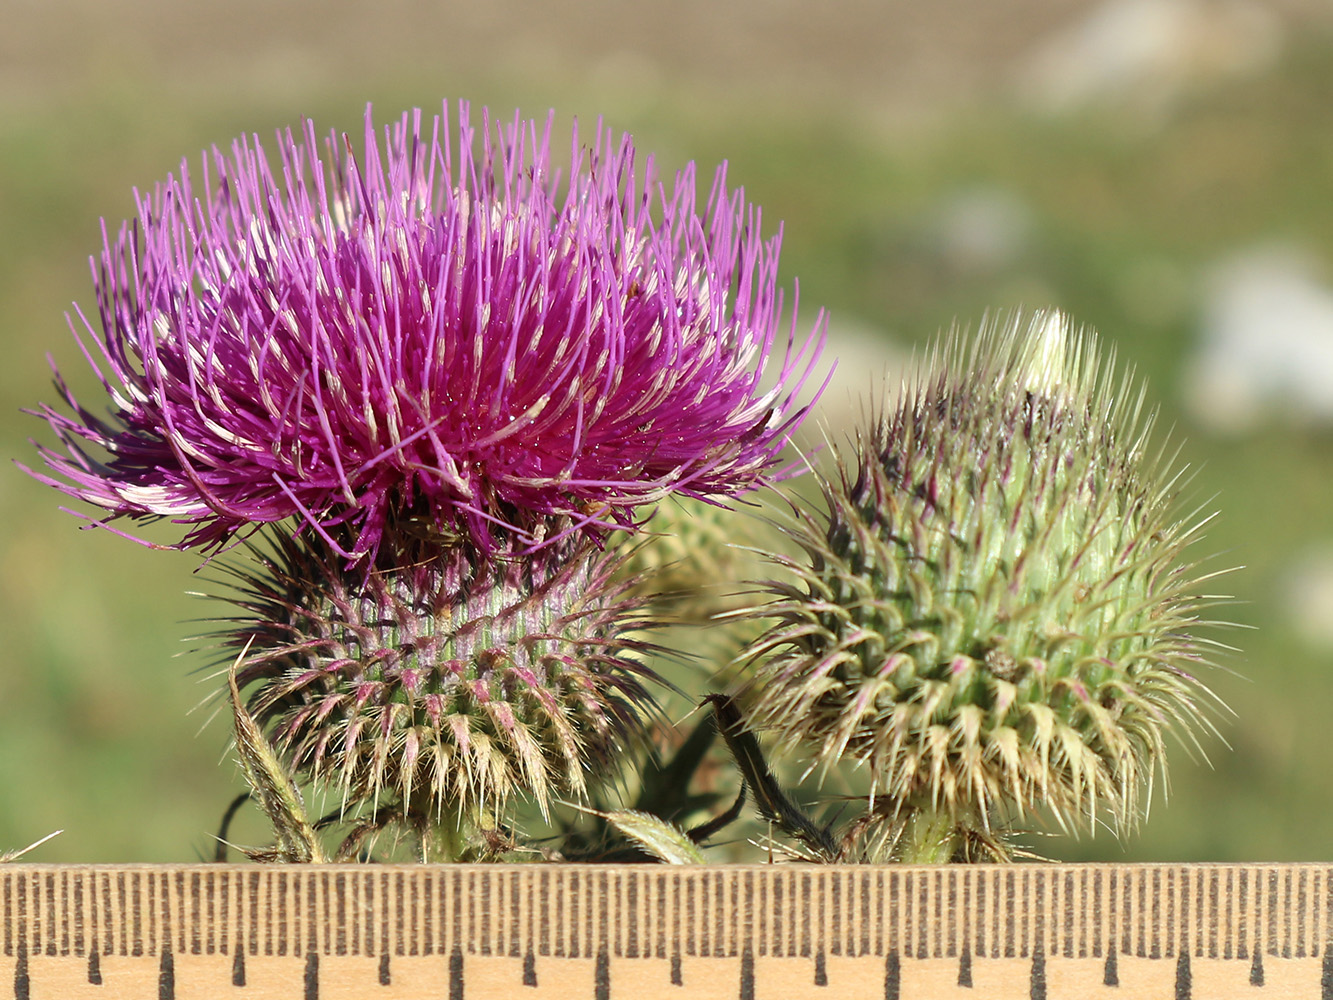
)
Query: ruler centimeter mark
[{"x": 1028, "y": 920}]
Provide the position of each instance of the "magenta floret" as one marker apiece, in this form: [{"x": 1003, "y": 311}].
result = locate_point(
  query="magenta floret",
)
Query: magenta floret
[{"x": 457, "y": 333}]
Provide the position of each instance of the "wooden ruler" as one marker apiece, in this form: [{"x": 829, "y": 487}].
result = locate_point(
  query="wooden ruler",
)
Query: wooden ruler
[{"x": 1027, "y": 932}]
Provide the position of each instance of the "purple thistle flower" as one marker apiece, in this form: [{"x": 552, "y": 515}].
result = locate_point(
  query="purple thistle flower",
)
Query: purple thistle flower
[{"x": 459, "y": 335}]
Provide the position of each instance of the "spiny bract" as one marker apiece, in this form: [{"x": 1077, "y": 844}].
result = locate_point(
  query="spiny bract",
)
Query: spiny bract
[{"x": 994, "y": 618}]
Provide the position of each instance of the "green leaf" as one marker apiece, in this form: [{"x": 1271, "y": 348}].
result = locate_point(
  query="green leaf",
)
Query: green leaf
[
  {"x": 273, "y": 788},
  {"x": 656, "y": 836}
]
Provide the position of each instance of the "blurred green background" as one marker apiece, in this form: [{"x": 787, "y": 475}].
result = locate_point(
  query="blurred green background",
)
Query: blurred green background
[{"x": 1162, "y": 169}]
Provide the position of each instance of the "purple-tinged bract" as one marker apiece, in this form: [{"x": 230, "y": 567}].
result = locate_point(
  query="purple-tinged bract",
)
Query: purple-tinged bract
[{"x": 447, "y": 326}]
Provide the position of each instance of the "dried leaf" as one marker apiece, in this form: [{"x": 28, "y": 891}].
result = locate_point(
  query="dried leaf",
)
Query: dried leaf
[{"x": 15, "y": 855}]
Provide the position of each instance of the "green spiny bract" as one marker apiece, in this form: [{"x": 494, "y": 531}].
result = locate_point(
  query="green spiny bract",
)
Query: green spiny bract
[
  {"x": 993, "y": 617},
  {"x": 444, "y": 683}
]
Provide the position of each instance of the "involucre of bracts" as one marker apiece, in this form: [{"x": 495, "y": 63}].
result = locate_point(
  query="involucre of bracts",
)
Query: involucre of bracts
[
  {"x": 444, "y": 681},
  {"x": 447, "y": 324},
  {"x": 996, "y": 616}
]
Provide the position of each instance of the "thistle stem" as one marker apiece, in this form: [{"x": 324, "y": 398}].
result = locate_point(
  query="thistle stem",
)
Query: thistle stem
[
  {"x": 443, "y": 835},
  {"x": 930, "y": 837},
  {"x": 773, "y": 803}
]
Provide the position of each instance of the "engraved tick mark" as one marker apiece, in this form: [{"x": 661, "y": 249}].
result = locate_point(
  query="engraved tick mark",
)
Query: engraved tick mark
[
  {"x": 21, "y": 981},
  {"x": 602, "y": 975},
  {"x": 312, "y": 976},
  {"x": 456, "y": 973},
  {"x": 1037, "y": 987},
  {"x": 530, "y": 969},
  {"x": 166, "y": 976},
  {"x": 1184, "y": 982}
]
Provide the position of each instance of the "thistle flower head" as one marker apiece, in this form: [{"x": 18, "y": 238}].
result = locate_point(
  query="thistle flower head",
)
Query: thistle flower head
[
  {"x": 994, "y": 618},
  {"x": 444, "y": 325},
  {"x": 450, "y": 682}
]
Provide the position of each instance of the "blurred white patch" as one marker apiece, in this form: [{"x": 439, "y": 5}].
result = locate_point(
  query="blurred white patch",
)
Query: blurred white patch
[
  {"x": 1266, "y": 349},
  {"x": 981, "y": 229},
  {"x": 1307, "y": 595},
  {"x": 1148, "y": 53}
]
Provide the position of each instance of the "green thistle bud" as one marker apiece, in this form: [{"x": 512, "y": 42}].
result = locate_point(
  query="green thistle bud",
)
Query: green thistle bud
[
  {"x": 443, "y": 683},
  {"x": 994, "y": 618},
  {"x": 692, "y": 557},
  {"x": 691, "y": 565}
]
